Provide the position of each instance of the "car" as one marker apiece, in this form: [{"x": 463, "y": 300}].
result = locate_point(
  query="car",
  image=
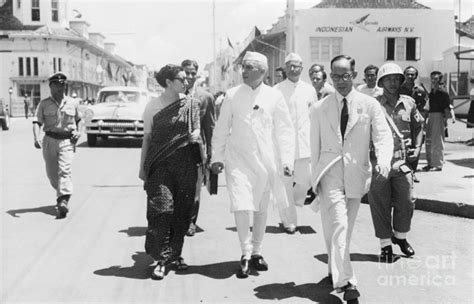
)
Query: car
[
  {"x": 4, "y": 115},
  {"x": 117, "y": 112}
]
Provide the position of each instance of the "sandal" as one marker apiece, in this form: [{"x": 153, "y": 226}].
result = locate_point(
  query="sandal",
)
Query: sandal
[
  {"x": 159, "y": 272},
  {"x": 180, "y": 264}
]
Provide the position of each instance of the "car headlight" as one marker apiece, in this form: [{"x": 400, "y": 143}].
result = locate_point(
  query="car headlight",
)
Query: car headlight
[{"x": 89, "y": 114}]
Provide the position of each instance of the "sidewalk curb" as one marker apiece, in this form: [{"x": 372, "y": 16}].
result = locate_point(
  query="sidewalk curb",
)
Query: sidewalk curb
[{"x": 435, "y": 206}]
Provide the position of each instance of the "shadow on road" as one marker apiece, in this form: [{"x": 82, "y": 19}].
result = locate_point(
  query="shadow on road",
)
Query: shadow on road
[
  {"x": 320, "y": 292},
  {"x": 355, "y": 257},
  {"x": 218, "y": 271},
  {"x": 115, "y": 143},
  {"x": 117, "y": 186},
  {"x": 464, "y": 162},
  {"x": 49, "y": 210},
  {"x": 134, "y": 231},
  {"x": 280, "y": 229},
  {"x": 141, "y": 269}
]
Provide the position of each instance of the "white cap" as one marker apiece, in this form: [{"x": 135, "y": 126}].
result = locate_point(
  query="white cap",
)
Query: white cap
[
  {"x": 255, "y": 56},
  {"x": 293, "y": 57}
]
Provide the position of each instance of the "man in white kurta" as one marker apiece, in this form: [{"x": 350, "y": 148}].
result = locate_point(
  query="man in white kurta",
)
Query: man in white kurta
[
  {"x": 299, "y": 97},
  {"x": 252, "y": 117},
  {"x": 342, "y": 126}
]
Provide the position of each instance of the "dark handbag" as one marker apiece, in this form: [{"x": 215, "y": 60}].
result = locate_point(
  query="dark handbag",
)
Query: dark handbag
[{"x": 211, "y": 181}]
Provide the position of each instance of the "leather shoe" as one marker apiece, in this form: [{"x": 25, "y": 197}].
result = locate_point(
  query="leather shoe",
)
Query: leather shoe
[
  {"x": 159, "y": 272},
  {"x": 387, "y": 256},
  {"x": 427, "y": 168},
  {"x": 405, "y": 247},
  {"x": 259, "y": 263},
  {"x": 191, "y": 230},
  {"x": 244, "y": 268},
  {"x": 180, "y": 264},
  {"x": 350, "y": 292},
  {"x": 62, "y": 208},
  {"x": 290, "y": 230}
]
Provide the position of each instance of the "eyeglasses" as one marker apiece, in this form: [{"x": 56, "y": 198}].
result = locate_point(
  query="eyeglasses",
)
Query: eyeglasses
[
  {"x": 182, "y": 80},
  {"x": 293, "y": 66},
  {"x": 345, "y": 76}
]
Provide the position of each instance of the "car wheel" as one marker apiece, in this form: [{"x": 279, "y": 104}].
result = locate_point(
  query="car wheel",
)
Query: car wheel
[
  {"x": 6, "y": 123},
  {"x": 91, "y": 140}
]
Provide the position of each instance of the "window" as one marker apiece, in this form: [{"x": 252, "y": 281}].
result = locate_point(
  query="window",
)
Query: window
[
  {"x": 463, "y": 89},
  {"x": 325, "y": 48},
  {"x": 402, "y": 49},
  {"x": 54, "y": 10},
  {"x": 35, "y": 10},
  {"x": 18, "y": 4},
  {"x": 54, "y": 65},
  {"x": 35, "y": 66},
  {"x": 59, "y": 65},
  {"x": 20, "y": 66},
  {"x": 28, "y": 66}
]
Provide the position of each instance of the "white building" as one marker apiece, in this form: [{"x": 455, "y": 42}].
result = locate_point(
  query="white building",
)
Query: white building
[
  {"x": 37, "y": 39},
  {"x": 371, "y": 31}
]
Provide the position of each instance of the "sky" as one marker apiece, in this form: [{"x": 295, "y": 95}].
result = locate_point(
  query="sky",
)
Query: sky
[{"x": 157, "y": 32}]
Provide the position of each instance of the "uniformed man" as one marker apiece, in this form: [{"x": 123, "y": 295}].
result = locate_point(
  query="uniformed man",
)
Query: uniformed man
[
  {"x": 59, "y": 117},
  {"x": 420, "y": 96},
  {"x": 397, "y": 189}
]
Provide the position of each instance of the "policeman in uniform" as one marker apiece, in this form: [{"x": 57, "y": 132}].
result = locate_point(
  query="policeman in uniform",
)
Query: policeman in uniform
[
  {"x": 418, "y": 93},
  {"x": 397, "y": 189},
  {"x": 59, "y": 117}
]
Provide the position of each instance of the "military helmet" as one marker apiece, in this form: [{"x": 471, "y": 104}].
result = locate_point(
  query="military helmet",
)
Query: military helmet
[{"x": 389, "y": 68}]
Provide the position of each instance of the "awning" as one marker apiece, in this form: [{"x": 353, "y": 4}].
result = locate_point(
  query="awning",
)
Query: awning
[
  {"x": 465, "y": 54},
  {"x": 259, "y": 42}
]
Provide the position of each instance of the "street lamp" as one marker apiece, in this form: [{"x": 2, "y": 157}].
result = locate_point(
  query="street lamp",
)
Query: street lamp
[{"x": 10, "y": 92}]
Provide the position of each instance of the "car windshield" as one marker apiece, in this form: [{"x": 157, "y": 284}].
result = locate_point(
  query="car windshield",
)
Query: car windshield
[{"x": 121, "y": 96}]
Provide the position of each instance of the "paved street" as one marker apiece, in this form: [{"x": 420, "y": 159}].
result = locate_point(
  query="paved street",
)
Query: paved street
[{"x": 97, "y": 253}]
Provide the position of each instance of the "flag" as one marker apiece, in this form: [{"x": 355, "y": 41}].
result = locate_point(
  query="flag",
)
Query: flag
[{"x": 229, "y": 43}]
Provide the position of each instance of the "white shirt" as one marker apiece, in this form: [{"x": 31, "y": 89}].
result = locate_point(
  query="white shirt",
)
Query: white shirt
[
  {"x": 299, "y": 97},
  {"x": 372, "y": 92}
]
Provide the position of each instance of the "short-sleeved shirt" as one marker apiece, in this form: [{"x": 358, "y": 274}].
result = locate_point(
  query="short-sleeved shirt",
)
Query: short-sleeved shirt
[
  {"x": 60, "y": 117},
  {"x": 439, "y": 101},
  {"x": 406, "y": 117},
  {"x": 154, "y": 106}
]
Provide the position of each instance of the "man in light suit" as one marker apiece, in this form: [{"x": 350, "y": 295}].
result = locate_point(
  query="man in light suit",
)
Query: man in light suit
[
  {"x": 342, "y": 125},
  {"x": 254, "y": 121}
]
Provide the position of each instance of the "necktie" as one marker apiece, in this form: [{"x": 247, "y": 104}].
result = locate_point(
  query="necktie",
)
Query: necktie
[{"x": 344, "y": 117}]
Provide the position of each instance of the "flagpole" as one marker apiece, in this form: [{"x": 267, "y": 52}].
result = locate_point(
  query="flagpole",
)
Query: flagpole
[{"x": 214, "y": 45}]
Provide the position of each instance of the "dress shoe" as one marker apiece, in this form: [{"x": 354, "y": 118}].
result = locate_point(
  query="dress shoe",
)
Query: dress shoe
[
  {"x": 62, "y": 208},
  {"x": 159, "y": 272},
  {"x": 290, "y": 230},
  {"x": 405, "y": 247},
  {"x": 387, "y": 256},
  {"x": 244, "y": 268},
  {"x": 180, "y": 264},
  {"x": 310, "y": 196},
  {"x": 259, "y": 263},
  {"x": 191, "y": 230},
  {"x": 350, "y": 292},
  {"x": 436, "y": 169},
  {"x": 426, "y": 168}
]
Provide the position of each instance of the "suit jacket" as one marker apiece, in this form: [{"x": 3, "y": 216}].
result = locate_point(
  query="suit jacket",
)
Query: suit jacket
[
  {"x": 366, "y": 122},
  {"x": 207, "y": 116}
]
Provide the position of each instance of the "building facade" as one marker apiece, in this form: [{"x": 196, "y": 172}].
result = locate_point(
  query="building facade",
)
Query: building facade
[
  {"x": 371, "y": 31},
  {"x": 37, "y": 39}
]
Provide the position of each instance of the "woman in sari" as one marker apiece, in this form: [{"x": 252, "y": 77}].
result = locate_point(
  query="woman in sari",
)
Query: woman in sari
[{"x": 168, "y": 166}]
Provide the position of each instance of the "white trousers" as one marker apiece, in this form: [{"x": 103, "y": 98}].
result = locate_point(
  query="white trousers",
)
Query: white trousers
[
  {"x": 338, "y": 214},
  {"x": 251, "y": 242},
  {"x": 296, "y": 188}
]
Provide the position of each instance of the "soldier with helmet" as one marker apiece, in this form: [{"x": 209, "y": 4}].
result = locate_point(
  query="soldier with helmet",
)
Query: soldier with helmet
[
  {"x": 59, "y": 117},
  {"x": 396, "y": 191}
]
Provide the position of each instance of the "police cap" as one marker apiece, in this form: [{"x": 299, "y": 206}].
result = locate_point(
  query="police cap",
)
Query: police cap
[{"x": 58, "y": 77}]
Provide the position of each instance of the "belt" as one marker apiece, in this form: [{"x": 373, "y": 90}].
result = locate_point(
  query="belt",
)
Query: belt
[{"x": 57, "y": 135}]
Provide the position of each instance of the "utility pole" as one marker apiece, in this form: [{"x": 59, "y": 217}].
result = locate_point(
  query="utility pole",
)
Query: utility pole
[
  {"x": 290, "y": 26},
  {"x": 459, "y": 49},
  {"x": 214, "y": 45}
]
